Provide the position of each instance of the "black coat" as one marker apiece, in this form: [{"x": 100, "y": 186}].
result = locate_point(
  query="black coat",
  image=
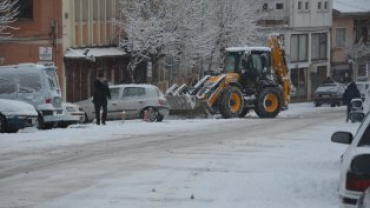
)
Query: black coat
[
  {"x": 351, "y": 93},
  {"x": 101, "y": 92}
]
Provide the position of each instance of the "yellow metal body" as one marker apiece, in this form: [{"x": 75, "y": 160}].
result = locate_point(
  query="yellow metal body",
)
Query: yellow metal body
[
  {"x": 224, "y": 82},
  {"x": 279, "y": 66}
]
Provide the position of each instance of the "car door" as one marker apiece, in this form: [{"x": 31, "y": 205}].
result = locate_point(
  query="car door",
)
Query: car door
[
  {"x": 132, "y": 101},
  {"x": 113, "y": 112}
]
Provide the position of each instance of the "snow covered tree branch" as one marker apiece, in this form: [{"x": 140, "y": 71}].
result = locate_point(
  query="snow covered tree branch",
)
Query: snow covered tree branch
[
  {"x": 8, "y": 14},
  {"x": 358, "y": 51},
  {"x": 187, "y": 30}
]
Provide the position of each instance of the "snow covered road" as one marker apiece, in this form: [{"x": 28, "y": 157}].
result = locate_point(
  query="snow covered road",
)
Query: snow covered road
[{"x": 283, "y": 162}]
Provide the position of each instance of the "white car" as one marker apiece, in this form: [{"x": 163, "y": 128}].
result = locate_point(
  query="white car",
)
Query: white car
[
  {"x": 15, "y": 115},
  {"x": 364, "y": 201},
  {"x": 134, "y": 100},
  {"x": 72, "y": 114},
  {"x": 355, "y": 164},
  {"x": 364, "y": 88},
  {"x": 37, "y": 85}
]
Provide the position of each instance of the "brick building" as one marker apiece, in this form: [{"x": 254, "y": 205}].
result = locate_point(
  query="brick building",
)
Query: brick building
[{"x": 77, "y": 36}]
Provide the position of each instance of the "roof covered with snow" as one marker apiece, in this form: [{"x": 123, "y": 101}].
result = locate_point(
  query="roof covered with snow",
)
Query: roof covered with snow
[
  {"x": 352, "y": 6},
  {"x": 95, "y": 52}
]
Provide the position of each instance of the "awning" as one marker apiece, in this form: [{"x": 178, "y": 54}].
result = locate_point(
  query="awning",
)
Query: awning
[{"x": 93, "y": 52}]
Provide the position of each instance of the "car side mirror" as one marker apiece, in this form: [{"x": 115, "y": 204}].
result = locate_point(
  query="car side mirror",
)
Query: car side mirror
[
  {"x": 342, "y": 137},
  {"x": 356, "y": 117}
]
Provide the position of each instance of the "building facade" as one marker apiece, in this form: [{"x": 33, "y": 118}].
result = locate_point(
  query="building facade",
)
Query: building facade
[
  {"x": 38, "y": 36},
  {"x": 304, "y": 26},
  {"x": 90, "y": 46},
  {"x": 79, "y": 37},
  {"x": 350, "y": 52}
]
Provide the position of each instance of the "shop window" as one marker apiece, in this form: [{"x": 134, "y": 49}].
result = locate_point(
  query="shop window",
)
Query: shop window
[
  {"x": 25, "y": 9},
  {"x": 299, "y": 48},
  {"x": 319, "y": 46}
]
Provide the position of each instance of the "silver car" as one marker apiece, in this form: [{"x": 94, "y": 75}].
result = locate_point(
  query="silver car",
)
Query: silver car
[{"x": 131, "y": 101}]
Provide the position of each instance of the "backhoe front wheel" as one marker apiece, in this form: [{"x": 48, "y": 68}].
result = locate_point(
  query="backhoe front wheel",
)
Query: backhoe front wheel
[
  {"x": 269, "y": 103},
  {"x": 231, "y": 102}
]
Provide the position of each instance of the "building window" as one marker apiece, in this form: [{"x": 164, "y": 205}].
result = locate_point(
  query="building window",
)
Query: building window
[
  {"x": 307, "y": 5},
  {"x": 319, "y": 46},
  {"x": 340, "y": 39},
  {"x": 265, "y": 7},
  {"x": 25, "y": 9},
  {"x": 326, "y": 5},
  {"x": 299, "y": 48},
  {"x": 299, "y": 5},
  {"x": 319, "y": 5},
  {"x": 279, "y": 6}
]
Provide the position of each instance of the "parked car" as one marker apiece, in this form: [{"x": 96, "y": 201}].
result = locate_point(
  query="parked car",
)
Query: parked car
[
  {"x": 15, "y": 115},
  {"x": 355, "y": 168},
  {"x": 330, "y": 93},
  {"x": 364, "y": 88},
  {"x": 34, "y": 84},
  {"x": 136, "y": 100},
  {"x": 72, "y": 114},
  {"x": 364, "y": 201}
]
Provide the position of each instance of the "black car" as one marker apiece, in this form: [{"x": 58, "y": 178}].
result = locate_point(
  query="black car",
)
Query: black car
[{"x": 330, "y": 94}]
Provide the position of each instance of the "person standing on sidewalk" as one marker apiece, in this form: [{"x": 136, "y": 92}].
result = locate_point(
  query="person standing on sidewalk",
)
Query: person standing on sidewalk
[
  {"x": 350, "y": 93},
  {"x": 100, "y": 98}
]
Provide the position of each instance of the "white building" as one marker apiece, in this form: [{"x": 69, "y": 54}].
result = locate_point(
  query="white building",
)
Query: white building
[{"x": 305, "y": 27}]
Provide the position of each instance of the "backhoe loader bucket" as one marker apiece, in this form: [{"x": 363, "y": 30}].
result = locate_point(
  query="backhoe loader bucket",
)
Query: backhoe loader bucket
[{"x": 183, "y": 103}]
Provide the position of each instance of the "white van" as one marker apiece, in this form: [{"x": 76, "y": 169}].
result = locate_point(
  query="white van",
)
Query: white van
[{"x": 37, "y": 85}]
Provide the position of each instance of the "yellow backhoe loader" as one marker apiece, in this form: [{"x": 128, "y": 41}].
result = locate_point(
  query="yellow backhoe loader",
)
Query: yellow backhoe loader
[{"x": 253, "y": 78}]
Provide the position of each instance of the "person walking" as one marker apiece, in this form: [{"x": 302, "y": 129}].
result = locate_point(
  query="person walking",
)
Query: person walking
[
  {"x": 100, "y": 98},
  {"x": 350, "y": 93}
]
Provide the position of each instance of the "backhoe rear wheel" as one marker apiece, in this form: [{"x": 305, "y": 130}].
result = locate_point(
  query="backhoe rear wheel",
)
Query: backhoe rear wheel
[
  {"x": 269, "y": 103},
  {"x": 231, "y": 102}
]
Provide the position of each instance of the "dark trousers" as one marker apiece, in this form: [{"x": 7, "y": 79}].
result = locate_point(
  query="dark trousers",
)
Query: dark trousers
[
  {"x": 98, "y": 106},
  {"x": 348, "y": 111}
]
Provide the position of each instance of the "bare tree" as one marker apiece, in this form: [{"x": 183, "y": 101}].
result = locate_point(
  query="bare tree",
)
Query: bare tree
[
  {"x": 358, "y": 51},
  {"x": 188, "y": 30},
  {"x": 8, "y": 14}
]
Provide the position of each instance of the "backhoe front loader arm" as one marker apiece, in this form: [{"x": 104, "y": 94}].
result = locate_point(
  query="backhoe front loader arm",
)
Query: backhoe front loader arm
[{"x": 280, "y": 67}]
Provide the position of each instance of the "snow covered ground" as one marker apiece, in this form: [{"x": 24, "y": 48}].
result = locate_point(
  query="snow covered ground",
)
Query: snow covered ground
[{"x": 296, "y": 167}]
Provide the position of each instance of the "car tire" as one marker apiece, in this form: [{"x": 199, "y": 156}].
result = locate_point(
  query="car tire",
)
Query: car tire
[
  {"x": 333, "y": 105},
  {"x": 86, "y": 119},
  {"x": 317, "y": 104},
  {"x": 160, "y": 118},
  {"x": 152, "y": 114},
  {"x": 2, "y": 124}
]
